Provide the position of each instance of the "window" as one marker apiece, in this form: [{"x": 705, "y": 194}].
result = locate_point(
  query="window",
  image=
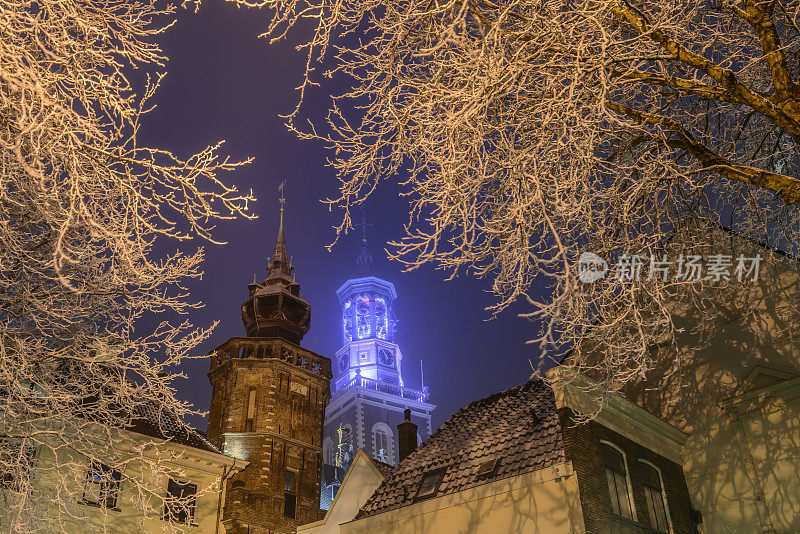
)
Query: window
[
  {"x": 290, "y": 495},
  {"x": 617, "y": 477},
  {"x": 180, "y": 502},
  {"x": 381, "y": 318},
  {"x": 487, "y": 469},
  {"x": 654, "y": 493},
  {"x": 363, "y": 327},
  {"x": 251, "y": 410},
  {"x": 102, "y": 485},
  {"x": 328, "y": 451},
  {"x": 382, "y": 443},
  {"x": 429, "y": 484},
  {"x": 347, "y": 322}
]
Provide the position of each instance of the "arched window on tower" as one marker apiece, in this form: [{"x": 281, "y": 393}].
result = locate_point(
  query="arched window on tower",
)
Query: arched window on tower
[
  {"x": 382, "y": 443},
  {"x": 362, "y": 317},
  {"x": 381, "y": 318},
  {"x": 347, "y": 322}
]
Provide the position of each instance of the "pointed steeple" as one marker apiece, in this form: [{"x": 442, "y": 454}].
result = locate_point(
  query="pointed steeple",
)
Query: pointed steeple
[
  {"x": 279, "y": 265},
  {"x": 275, "y": 307}
]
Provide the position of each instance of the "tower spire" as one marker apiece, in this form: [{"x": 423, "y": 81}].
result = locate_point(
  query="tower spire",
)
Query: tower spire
[
  {"x": 275, "y": 307},
  {"x": 364, "y": 259},
  {"x": 279, "y": 263}
]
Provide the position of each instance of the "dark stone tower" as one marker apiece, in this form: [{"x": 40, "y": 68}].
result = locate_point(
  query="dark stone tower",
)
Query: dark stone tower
[{"x": 267, "y": 407}]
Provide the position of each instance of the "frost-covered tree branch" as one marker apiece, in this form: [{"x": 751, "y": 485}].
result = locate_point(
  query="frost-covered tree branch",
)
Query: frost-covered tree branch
[
  {"x": 82, "y": 203},
  {"x": 526, "y": 132}
]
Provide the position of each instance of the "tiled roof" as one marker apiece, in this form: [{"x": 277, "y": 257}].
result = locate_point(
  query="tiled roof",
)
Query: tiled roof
[
  {"x": 152, "y": 421},
  {"x": 384, "y": 468},
  {"x": 518, "y": 427}
]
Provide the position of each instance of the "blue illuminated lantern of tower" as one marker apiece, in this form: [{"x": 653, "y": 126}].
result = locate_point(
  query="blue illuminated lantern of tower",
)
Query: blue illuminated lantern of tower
[{"x": 368, "y": 328}]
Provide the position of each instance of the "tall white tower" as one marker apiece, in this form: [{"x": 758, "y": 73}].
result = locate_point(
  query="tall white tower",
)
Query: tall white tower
[{"x": 369, "y": 393}]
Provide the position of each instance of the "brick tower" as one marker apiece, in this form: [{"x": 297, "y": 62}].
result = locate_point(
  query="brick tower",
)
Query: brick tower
[{"x": 268, "y": 405}]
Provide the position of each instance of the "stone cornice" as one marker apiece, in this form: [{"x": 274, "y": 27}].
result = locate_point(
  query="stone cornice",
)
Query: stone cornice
[
  {"x": 579, "y": 393},
  {"x": 339, "y": 399}
]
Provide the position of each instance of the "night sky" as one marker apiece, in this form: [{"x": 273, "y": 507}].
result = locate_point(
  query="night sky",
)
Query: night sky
[{"x": 226, "y": 83}]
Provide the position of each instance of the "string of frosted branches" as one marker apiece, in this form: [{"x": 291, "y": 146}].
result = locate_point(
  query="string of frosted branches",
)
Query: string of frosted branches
[
  {"x": 526, "y": 132},
  {"x": 82, "y": 205}
]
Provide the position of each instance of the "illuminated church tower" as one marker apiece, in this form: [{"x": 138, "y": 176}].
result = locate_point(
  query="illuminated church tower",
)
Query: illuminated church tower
[
  {"x": 267, "y": 406},
  {"x": 369, "y": 393}
]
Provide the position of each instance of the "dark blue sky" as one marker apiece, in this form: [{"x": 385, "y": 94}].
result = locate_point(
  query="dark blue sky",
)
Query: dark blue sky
[{"x": 226, "y": 83}]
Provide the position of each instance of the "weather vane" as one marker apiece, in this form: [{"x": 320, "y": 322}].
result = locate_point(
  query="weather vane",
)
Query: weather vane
[
  {"x": 364, "y": 259},
  {"x": 282, "y": 199},
  {"x": 364, "y": 224}
]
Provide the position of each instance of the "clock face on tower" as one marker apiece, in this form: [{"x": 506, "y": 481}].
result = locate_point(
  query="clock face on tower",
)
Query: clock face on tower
[
  {"x": 386, "y": 357},
  {"x": 344, "y": 362}
]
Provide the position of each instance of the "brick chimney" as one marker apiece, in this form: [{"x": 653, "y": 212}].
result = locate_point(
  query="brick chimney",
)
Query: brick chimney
[{"x": 407, "y": 435}]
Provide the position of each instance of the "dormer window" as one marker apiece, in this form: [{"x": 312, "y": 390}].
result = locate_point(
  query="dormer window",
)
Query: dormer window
[
  {"x": 618, "y": 481},
  {"x": 487, "y": 469},
  {"x": 429, "y": 485}
]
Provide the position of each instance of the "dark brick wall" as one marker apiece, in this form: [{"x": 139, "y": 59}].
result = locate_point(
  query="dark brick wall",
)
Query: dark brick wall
[
  {"x": 582, "y": 447},
  {"x": 287, "y": 434}
]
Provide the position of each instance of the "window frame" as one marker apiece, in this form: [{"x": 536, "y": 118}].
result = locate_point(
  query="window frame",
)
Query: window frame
[
  {"x": 629, "y": 486},
  {"x": 383, "y": 428},
  {"x": 250, "y": 410},
  {"x": 663, "y": 497},
  {"x": 170, "y": 515},
  {"x": 287, "y": 493},
  {"x": 440, "y": 472},
  {"x": 105, "y": 497}
]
